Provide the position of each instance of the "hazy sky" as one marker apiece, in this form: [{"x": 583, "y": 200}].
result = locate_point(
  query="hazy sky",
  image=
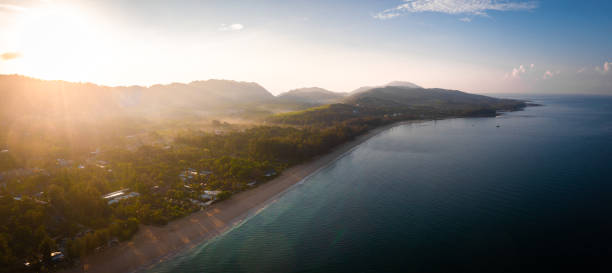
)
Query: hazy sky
[{"x": 481, "y": 46}]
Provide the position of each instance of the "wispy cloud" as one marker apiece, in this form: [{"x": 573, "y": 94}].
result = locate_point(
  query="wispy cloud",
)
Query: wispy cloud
[
  {"x": 465, "y": 19},
  {"x": 516, "y": 72},
  {"x": 520, "y": 70},
  {"x": 607, "y": 67},
  {"x": 10, "y": 55},
  {"x": 232, "y": 27},
  {"x": 549, "y": 74},
  {"x": 472, "y": 7}
]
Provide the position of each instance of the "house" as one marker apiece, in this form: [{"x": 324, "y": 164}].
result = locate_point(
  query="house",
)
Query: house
[
  {"x": 122, "y": 196},
  {"x": 201, "y": 204},
  {"x": 188, "y": 174},
  {"x": 114, "y": 194},
  {"x": 57, "y": 256},
  {"x": 210, "y": 195}
]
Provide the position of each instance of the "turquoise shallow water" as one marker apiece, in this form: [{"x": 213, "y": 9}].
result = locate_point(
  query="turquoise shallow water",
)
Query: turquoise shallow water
[{"x": 458, "y": 195}]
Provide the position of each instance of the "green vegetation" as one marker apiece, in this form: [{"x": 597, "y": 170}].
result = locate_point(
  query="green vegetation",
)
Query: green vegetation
[
  {"x": 60, "y": 158},
  {"x": 399, "y": 103},
  {"x": 65, "y": 207}
]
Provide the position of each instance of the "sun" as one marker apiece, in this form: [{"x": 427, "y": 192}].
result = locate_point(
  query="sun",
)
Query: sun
[{"x": 59, "y": 42}]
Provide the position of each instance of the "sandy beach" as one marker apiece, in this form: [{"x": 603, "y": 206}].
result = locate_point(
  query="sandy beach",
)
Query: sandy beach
[{"x": 153, "y": 244}]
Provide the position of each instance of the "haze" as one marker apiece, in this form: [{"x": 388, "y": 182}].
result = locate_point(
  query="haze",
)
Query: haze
[{"x": 479, "y": 46}]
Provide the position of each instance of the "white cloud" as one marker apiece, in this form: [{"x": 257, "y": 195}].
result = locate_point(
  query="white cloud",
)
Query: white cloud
[
  {"x": 549, "y": 74},
  {"x": 516, "y": 72},
  {"x": 465, "y": 19},
  {"x": 473, "y": 7},
  {"x": 520, "y": 70},
  {"x": 232, "y": 27},
  {"x": 607, "y": 66}
]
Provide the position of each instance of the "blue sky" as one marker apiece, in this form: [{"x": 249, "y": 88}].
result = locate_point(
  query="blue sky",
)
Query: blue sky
[{"x": 473, "y": 45}]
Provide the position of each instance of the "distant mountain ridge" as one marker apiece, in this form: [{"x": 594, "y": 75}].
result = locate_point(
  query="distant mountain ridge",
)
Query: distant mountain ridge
[
  {"x": 399, "y": 103},
  {"x": 20, "y": 95},
  {"x": 400, "y": 97},
  {"x": 311, "y": 95},
  {"x": 393, "y": 83}
]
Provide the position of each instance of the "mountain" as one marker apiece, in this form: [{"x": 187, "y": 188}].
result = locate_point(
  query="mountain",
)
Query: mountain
[
  {"x": 312, "y": 95},
  {"x": 403, "y": 84},
  {"x": 24, "y": 96},
  {"x": 393, "y": 83},
  {"x": 394, "y": 103},
  {"x": 234, "y": 91},
  {"x": 399, "y": 97}
]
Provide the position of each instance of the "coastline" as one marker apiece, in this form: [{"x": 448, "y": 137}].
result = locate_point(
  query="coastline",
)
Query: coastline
[{"x": 153, "y": 244}]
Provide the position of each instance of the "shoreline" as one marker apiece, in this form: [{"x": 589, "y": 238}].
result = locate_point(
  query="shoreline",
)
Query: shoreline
[{"x": 154, "y": 244}]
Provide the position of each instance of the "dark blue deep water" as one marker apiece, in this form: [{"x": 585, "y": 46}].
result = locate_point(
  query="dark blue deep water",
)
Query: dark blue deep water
[{"x": 458, "y": 195}]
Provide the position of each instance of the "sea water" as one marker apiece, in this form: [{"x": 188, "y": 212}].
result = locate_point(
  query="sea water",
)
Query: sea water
[{"x": 528, "y": 191}]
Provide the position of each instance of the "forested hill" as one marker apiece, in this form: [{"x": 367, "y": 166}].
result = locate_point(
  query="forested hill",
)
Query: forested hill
[
  {"x": 393, "y": 83},
  {"x": 400, "y": 103},
  {"x": 312, "y": 95},
  {"x": 24, "y": 96},
  {"x": 406, "y": 97}
]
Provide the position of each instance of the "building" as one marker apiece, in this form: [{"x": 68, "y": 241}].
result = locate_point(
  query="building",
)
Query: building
[
  {"x": 115, "y": 197},
  {"x": 114, "y": 194},
  {"x": 57, "y": 256},
  {"x": 210, "y": 195}
]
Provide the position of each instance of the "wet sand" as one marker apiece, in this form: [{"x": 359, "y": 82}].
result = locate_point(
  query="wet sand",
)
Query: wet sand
[{"x": 153, "y": 244}]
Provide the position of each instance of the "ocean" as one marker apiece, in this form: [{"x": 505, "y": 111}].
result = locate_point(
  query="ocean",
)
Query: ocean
[{"x": 455, "y": 195}]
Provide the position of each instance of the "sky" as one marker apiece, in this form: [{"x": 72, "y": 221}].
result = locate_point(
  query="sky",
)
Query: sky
[{"x": 479, "y": 46}]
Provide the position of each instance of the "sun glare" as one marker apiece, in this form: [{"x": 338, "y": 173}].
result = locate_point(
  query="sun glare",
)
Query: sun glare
[{"x": 60, "y": 43}]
